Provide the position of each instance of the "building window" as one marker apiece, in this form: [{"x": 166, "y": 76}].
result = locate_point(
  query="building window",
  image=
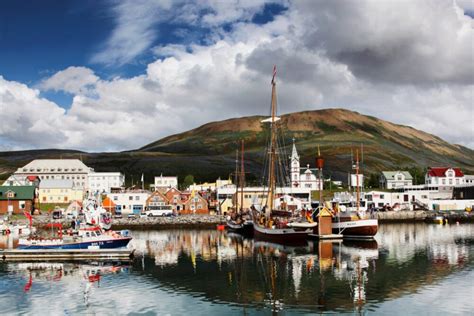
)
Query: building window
[
  {"x": 130, "y": 198},
  {"x": 137, "y": 198},
  {"x": 115, "y": 198}
]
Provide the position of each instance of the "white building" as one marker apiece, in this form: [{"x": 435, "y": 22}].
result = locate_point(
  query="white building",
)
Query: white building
[
  {"x": 59, "y": 191},
  {"x": 209, "y": 186},
  {"x": 469, "y": 180},
  {"x": 102, "y": 182},
  {"x": 395, "y": 179},
  {"x": 257, "y": 196},
  {"x": 164, "y": 183},
  {"x": 54, "y": 169},
  {"x": 307, "y": 179},
  {"x": 444, "y": 176},
  {"x": 354, "y": 183},
  {"x": 129, "y": 202}
]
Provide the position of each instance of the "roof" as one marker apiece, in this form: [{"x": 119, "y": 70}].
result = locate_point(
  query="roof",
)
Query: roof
[
  {"x": 441, "y": 172},
  {"x": 52, "y": 165},
  {"x": 107, "y": 203},
  {"x": 22, "y": 192},
  {"x": 390, "y": 175},
  {"x": 56, "y": 184}
]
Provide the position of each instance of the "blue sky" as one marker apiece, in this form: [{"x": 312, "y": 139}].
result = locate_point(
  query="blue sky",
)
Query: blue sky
[
  {"x": 116, "y": 75},
  {"x": 39, "y": 38}
]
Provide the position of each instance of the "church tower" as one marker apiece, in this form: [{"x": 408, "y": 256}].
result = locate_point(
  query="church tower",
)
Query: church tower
[{"x": 295, "y": 167}]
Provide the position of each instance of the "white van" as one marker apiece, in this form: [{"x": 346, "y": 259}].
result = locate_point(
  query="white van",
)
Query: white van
[{"x": 159, "y": 210}]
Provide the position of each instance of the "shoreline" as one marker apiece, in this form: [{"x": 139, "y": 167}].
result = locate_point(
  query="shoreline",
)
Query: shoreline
[{"x": 211, "y": 221}]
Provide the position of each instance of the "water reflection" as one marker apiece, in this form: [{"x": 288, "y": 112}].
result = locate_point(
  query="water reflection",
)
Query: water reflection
[{"x": 208, "y": 271}]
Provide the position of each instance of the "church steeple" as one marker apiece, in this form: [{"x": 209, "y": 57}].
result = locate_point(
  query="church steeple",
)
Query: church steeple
[
  {"x": 295, "y": 167},
  {"x": 294, "y": 153}
]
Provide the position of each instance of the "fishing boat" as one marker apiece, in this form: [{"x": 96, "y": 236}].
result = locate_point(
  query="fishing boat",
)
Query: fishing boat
[
  {"x": 86, "y": 237},
  {"x": 354, "y": 223},
  {"x": 20, "y": 230},
  {"x": 95, "y": 214},
  {"x": 240, "y": 221},
  {"x": 270, "y": 224}
]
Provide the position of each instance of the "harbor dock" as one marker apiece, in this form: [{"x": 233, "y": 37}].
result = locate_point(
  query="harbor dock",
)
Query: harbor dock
[{"x": 66, "y": 254}]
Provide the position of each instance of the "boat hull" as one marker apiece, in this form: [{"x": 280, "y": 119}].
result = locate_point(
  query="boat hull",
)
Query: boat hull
[
  {"x": 282, "y": 236},
  {"x": 364, "y": 228},
  {"x": 245, "y": 228},
  {"x": 101, "y": 244}
]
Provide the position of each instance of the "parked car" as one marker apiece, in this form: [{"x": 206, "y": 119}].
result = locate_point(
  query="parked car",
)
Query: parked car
[
  {"x": 162, "y": 210},
  {"x": 57, "y": 213}
]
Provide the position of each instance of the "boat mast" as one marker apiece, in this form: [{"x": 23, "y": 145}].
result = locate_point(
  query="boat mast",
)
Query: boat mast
[
  {"x": 271, "y": 170},
  {"x": 236, "y": 180},
  {"x": 242, "y": 177},
  {"x": 357, "y": 180}
]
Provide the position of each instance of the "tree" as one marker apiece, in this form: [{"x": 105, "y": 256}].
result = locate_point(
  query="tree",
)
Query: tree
[
  {"x": 372, "y": 181},
  {"x": 188, "y": 180}
]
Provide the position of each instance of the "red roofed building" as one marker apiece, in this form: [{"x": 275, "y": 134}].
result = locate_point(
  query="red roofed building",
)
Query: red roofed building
[{"x": 444, "y": 176}]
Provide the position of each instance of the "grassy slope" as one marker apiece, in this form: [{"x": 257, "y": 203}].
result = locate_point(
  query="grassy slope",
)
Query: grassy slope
[{"x": 208, "y": 152}]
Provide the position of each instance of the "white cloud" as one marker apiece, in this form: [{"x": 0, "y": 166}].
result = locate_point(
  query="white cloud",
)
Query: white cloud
[
  {"x": 425, "y": 79},
  {"x": 75, "y": 80}
]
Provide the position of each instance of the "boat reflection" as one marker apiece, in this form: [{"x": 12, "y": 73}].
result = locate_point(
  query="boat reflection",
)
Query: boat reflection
[{"x": 314, "y": 277}]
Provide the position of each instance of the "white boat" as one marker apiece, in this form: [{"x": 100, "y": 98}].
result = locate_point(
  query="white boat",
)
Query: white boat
[
  {"x": 87, "y": 238},
  {"x": 16, "y": 230},
  {"x": 95, "y": 214}
]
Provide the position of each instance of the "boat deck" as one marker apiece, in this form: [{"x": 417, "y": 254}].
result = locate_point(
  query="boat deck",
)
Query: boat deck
[
  {"x": 65, "y": 254},
  {"x": 329, "y": 236}
]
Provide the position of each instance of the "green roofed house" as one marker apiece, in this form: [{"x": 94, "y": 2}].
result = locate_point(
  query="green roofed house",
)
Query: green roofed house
[
  {"x": 395, "y": 179},
  {"x": 17, "y": 199}
]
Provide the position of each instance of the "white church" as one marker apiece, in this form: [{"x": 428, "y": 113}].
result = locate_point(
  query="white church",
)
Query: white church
[{"x": 307, "y": 179}]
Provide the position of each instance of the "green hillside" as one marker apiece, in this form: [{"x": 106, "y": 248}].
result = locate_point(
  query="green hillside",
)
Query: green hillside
[{"x": 208, "y": 152}]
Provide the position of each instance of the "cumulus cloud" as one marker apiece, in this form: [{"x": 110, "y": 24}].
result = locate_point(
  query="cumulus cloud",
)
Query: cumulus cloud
[
  {"x": 75, "y": 80},
  {"x": 410, "y": 63}
]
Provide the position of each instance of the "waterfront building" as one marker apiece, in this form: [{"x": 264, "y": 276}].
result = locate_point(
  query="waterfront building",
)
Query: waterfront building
[
  {"x": 53, "y": 169},
  {"x": 469, "y": 179},
  {"x": 444, "y": 176},
  {"x": 129, "y": 201},
  {"x": 195, "y": 204},
  {"x": 307, "y": 179},
  {"x": 212, "y": 187},
  {"x": 354, "y": 182},
  {"x": 17, "y": 199},
  {"x": 59, "y": 191},
  {"x": 288, "y": 202},
  {"x": 104, "y": 182},
  {"x": 176, "y": 199},
  {"x": 395, "y": 179},
  {"x": 256, "y": 196},
  {"x": 156, "y": 200},
  {"x": 163, "y": 183}
]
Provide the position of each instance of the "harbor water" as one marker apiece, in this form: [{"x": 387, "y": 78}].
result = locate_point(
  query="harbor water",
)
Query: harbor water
[{"x": 409, "y": 269}]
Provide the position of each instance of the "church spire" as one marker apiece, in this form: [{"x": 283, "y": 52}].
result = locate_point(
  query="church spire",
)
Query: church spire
[{"x": 294, "y": 153}]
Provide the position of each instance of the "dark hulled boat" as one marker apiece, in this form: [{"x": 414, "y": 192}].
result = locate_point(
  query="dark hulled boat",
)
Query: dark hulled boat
[{"x": 276, "y": 225}]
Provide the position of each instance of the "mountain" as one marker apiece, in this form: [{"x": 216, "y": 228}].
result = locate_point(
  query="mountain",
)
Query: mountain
[{"x": 208, "y": 151}]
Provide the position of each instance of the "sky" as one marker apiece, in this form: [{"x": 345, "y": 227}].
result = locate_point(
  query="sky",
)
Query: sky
[{"x": 117, "y": 75}]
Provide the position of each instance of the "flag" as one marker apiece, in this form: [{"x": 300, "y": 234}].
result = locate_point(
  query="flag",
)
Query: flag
[
  {"x": 142, "y": 177},
  {"x": 28, "y": 216},
  {"x": 274, "y": 73}
]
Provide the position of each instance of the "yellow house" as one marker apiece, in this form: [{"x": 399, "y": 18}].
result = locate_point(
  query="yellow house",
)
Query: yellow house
[{"x": 59, "y": 191}]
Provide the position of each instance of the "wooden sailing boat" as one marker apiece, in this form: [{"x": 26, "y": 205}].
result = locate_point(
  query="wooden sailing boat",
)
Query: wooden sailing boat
[
  {"x": 355, "y": 225},
  {"x": 240, "y": 221},
  {"x": 268, "y": 224}
]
